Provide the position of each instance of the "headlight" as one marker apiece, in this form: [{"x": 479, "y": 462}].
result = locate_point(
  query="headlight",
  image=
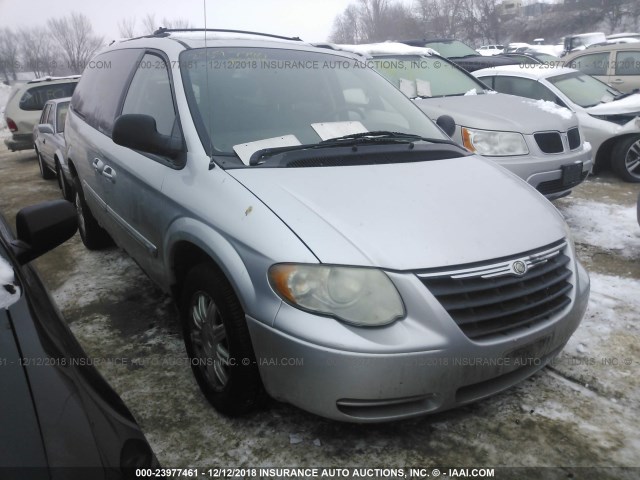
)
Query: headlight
[
  {"x": 359, "y": 296},
  {"x": 494, "y": 144}
]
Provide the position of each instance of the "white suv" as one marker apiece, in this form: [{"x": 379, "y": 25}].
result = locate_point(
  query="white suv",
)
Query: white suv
[{"x": 25, "y": 105}]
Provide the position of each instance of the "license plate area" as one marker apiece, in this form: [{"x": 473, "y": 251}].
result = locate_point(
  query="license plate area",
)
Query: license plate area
[{"x": 571, "y": 174}]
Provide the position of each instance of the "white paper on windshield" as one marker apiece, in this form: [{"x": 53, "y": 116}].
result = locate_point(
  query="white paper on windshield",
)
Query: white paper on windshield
[
  {"x": 423, "y": 87},
  {"x": 408, "y": 87},
  {"x": 245, "y": 150},
  {"x": 327, "y": 130}
]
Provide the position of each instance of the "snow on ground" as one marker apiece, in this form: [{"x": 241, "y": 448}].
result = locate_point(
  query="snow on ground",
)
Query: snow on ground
[{"x": 608, "y": 226}]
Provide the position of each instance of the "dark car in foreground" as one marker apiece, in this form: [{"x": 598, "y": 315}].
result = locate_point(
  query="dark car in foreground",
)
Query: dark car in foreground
[
  {"x": 461, "y": 53},
  {"x": 59, "y": 417}
]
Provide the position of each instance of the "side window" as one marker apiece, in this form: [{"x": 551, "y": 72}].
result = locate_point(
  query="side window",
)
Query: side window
[
  {"x": 61, "y": 115},
  {"x": 51, "y": 115},
  {"x": 150, "y": 93},
  {"x": 523, "y": 87},
  {"x": 488, "y": 81},
  {"x": 628, "y": 63},
  {"x": 45, "y": 113},
  {"x": 100, "y": 90},
  {"x": 593, "y": 64}
]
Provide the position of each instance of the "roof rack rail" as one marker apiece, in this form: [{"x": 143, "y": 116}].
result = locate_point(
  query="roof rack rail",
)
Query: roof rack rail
[{"x": 164, "y": 31}]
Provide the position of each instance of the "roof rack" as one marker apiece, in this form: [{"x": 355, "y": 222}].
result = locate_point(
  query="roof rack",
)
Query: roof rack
[{"x": 165, "y": 31}]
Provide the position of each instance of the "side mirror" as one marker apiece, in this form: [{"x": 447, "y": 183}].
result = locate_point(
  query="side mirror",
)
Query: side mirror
[
  {"x": 42, "y": 227},
  {"x": 447, "y": 124},
  {"x": 45, "y": 128},
  {"x": 139, "y": 132}
]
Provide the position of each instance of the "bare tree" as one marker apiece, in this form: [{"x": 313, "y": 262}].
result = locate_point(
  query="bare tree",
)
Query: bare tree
[
  {"x": 76, "y": 39},
  {"x": 149, "y": 24},
  {"x": 37, "y": 51},
  {"x": 127, "y": 27},
  {"x": 613, "y": 12},
  {"x": 176, "y": 23},
  {"x": 347, "y": 27},
  {"x": 9, "y": 63},
  {"x": 488, "y": 23},
  {"x": 445, "y": 18}
]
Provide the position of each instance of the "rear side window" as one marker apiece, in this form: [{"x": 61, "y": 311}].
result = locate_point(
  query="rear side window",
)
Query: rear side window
[
  {"x": 594, "y": 64},
  {"x": 150, "y": 93},
  {"x": 61, "y": 116},
  {"x": 99, "y": 93},
  {"x": 35, "y": 97},
  {"x": 628, "y": 63},
  {"x": 43, "y": 115}
]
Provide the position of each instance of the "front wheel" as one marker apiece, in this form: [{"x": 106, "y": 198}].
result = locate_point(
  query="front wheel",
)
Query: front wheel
[
  {"x": 65, "y": 188},
  {"x": 625, "y": 160},
  {"x": 93, "y": 235},
  {"x": 218, "y": 342}
]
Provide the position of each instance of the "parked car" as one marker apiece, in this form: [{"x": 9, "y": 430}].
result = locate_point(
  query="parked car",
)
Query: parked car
[
  {"x": 533, "y": 57},
  {"x": 516, "y": 47},
  {"x": 489, "y": 50},
  {"x": 581, "y": 41},
  {"x": 25, "y": 105},
  {"x": 539, "y": 143},
  {"x": 50, "y": 147},
  {"x": 608, "y": 118},
  {"x": 59, "y": 417},
  {"x": 616, "y": 36},
  {"x": 617, "y": 65},
  {"x": 460, "y": 53},
  {"x": 324, "y": 240}
]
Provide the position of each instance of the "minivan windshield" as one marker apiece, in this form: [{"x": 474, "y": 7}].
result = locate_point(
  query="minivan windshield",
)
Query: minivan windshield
[
  {"x": 451, "y": 48},
  {"x": 245, "y": 98},
  {"x": 421, "y": 76}
]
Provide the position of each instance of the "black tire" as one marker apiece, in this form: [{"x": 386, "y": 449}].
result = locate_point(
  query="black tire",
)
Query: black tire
[
  {"x": 66, "y": 189},
  {"x": 93, "y": 235},
  {"x": 625, "y": 159},
  {"x": 45, "y": 172},
  {"x": 218, "y": 342}
]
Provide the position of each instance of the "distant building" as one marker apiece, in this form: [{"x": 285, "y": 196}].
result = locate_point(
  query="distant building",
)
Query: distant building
[{"x": 510, "y": 7}]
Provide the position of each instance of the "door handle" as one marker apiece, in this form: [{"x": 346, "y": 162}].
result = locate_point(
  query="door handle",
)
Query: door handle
[
  {"x": 617, "y": 81},
  {"x": 109, "y": 173},
  {"x": 98, "y": 165}
]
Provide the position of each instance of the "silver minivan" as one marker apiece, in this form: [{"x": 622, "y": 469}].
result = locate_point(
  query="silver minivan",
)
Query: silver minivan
[{"x": 326, "y": 243}]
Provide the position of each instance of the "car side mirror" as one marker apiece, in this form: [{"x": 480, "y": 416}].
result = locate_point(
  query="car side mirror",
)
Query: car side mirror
[
  {"x": 139, "y": 132},
  {"x": 447, "y": 124},
  {"x": 42, "y": 227},
  {"x": 45, "y": 128}
]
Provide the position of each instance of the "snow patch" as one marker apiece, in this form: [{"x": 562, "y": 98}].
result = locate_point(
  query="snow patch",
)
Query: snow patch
[
  {"x": 9, "y": 291},
  {"x": 386, "y": 48},
  {"x": 552, "y": 108},
  {"x": 473, "y": 91},
  {"x": 607, "y": 226}
]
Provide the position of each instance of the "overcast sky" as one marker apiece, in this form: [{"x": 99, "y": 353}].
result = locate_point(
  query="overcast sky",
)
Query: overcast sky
[{"x": 309, "y": 19}]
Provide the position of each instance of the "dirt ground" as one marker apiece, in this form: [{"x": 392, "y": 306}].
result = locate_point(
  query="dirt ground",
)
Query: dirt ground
[{"x": 577, "y": 414}]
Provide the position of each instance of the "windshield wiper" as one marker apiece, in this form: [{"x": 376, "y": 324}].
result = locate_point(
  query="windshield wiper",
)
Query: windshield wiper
[
  {"x": 348, "y": 140},
  {"x": 621, "y": 95}
]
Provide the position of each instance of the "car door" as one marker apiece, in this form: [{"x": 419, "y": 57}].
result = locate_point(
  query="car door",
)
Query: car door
[
  {"x": 48, "y": 143},
  {"x": 594, "y": 64},
  {"x": 626, "y": 70},
  {"x": 136, "y": 202},
  {"x": 39, "y": 137}
]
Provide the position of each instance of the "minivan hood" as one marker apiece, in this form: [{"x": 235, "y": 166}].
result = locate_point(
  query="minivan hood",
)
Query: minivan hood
[
  {"x": 630, "y": 104},
  {"x": 407, "y": 216},
  {"x": 499, "y": 112}
]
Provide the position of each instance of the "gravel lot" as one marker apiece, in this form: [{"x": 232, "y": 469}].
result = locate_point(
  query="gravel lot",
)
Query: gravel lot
[{"x": 580, "y": 412}]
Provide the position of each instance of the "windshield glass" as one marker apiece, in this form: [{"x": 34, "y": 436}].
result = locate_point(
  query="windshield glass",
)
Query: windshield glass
[
  {"x": 419, "y": 76},
  {"x": 584, "y": 90},
  {"x": 451, "y": 48},
  {"x": 271, "y": 98}
]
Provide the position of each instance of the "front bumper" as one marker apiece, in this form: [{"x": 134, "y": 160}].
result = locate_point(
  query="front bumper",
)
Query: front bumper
[
  {"x": 544, "y": 171},
  {"x": 421, "y": 364},
  {"x": 19, "y": 142}
]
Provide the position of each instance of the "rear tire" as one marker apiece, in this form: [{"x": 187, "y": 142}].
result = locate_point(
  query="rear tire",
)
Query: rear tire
[
  {"x": 93, "y": 235},
  {"x": 218, "y": 342},
  {"x": 45, "y": 173},
  {"x": 625, "y": 159}
]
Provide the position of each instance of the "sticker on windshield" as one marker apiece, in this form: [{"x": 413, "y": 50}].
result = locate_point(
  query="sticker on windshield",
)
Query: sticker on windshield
[
  {"x": 328, "y": 130},
  {"x": 408, "y": 87},
  {"x": 423, "y": 87},
  {"x": 9, "y": 291},
  {"x": 245, "y": 150}
]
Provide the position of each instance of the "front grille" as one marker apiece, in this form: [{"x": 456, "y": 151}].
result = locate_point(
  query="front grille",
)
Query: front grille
[
  {"x": 488, "y": 299},
  {"x": 556, "y": 186},
  {"x": 549, "y": 142},
  {"x": 573, "y": 135}
]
